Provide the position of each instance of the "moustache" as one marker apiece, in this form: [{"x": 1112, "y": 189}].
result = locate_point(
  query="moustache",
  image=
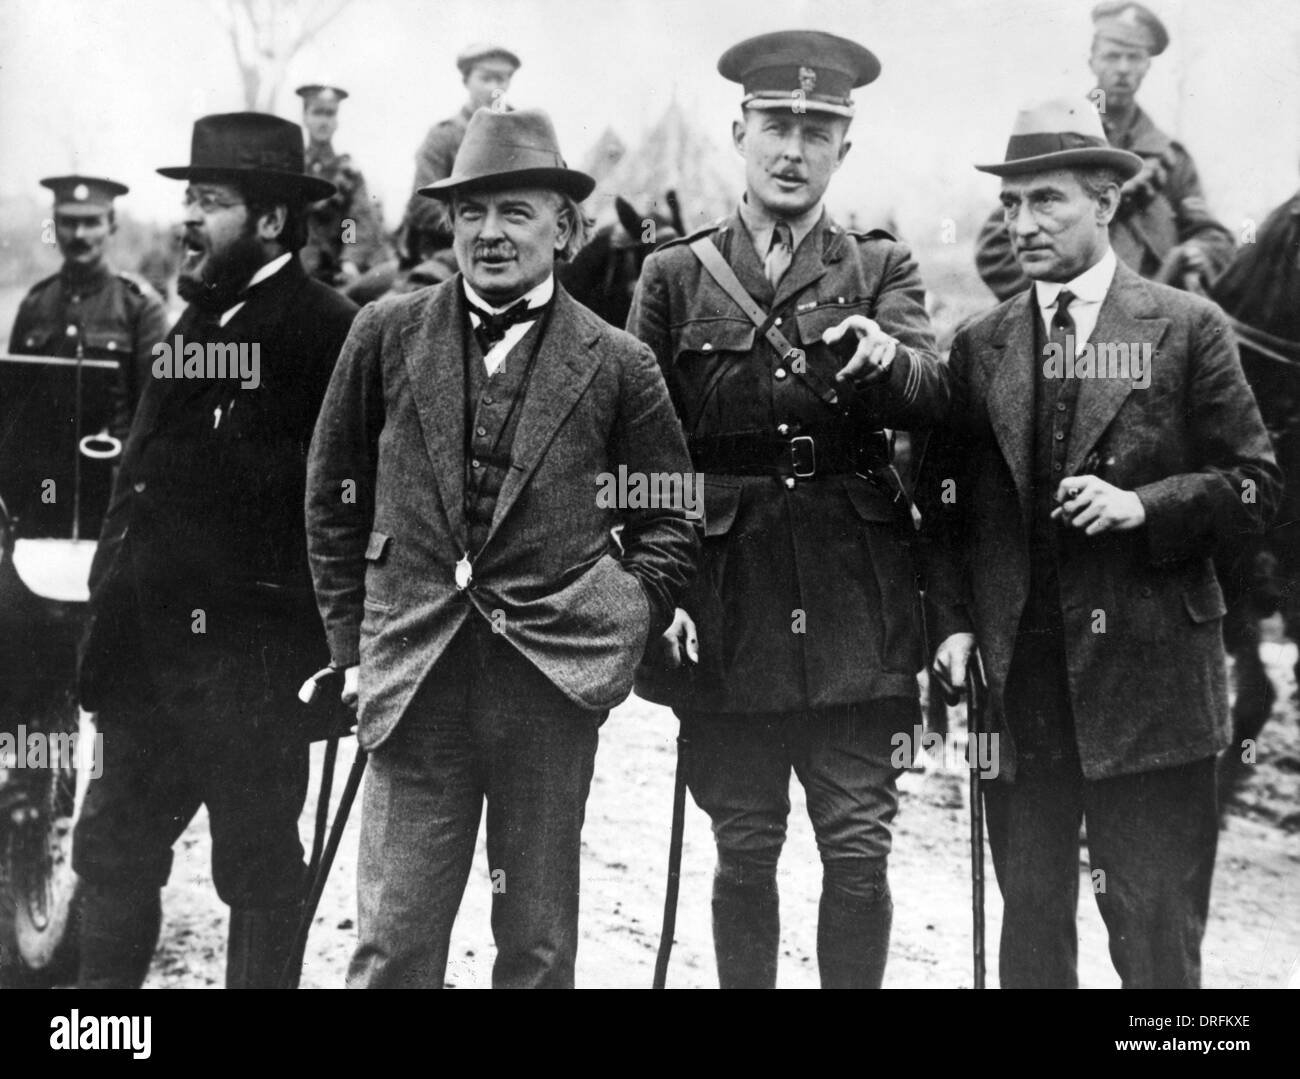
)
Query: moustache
[{"x": 494, "y": 250}]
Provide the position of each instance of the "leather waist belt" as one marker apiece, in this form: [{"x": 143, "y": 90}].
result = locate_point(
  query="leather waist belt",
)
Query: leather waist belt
[{"x": 804, "y": 456}]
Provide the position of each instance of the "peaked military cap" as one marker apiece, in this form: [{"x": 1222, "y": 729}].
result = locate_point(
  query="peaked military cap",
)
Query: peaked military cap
[
  {"x": 800, "y": 70},
  {"x": 316, "y": 91},
  {"x": 1130, "y": 24},
  {"x": 83, "y": 196}
]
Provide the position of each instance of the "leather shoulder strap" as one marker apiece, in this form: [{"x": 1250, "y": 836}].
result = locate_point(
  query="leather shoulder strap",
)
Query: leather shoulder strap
[{"x": 711, "y": 259}]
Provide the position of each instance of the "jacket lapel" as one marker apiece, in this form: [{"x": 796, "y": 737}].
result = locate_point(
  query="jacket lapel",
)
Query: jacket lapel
[
  {"x": 1011, "y": 392},
  {"x": 432, "y": 350},
  {"x": 565, "y": 364},
  {"x": 1127, "y": 317}
]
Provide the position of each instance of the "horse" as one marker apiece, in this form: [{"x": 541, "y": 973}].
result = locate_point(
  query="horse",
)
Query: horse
[{"x": 1260, "y": 292}]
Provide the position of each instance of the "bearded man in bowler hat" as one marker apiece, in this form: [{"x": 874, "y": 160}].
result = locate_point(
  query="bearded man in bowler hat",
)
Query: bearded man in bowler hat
[
  {"x": 799, "y": 645},
  {"x": 201, "y": 622},
  {"x": 1103, "y": 445},
  {"x": 473, "y": 591}
]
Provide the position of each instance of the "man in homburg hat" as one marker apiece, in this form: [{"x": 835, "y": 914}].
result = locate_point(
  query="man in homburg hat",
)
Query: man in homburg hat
[
  {"x": 799, "y": 644},
  {"x": 201, "y": 620},
  {"x": 89, "y": 309},
  {"x": 486, "y": 70},
  {"x": 1163, "y": 228},
  {"x": 473, "y": 590},
  {"x": 345, "y": 232},
  {"x": 1103, "y": 445}
]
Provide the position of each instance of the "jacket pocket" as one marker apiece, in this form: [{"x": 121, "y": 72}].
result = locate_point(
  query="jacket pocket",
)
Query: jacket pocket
[
  {"x": 376, "y": 589},
  {"x": 107, "y": 344},
  {"x": 1204, "y": 602},
  {"x": 888, "y": 540},
  {"x": 707, "y": 336}
]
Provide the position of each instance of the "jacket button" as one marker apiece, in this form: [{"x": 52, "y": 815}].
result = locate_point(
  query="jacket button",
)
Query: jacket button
[
  {"x": 783, "y": 429},
  {"x": 778, "y": 322},
  {"x": 480, "y": 431},
  {"x": 138, "y": 487},
  {"x": 779, "y": 372},
  {"x": 789, "y": 482},
  {"x": 706, "y": 347},
  {"x": 71, "y": 331},
  {"x": 475, "y": 463},
  {"x": 112, "y": 345}
]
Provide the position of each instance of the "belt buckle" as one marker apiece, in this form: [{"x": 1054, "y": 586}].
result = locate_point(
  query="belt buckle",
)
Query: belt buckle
[{"x": 804, "y": 464}]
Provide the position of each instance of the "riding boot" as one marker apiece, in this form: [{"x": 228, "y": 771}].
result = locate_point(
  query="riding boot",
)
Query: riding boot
[
  {"x": 853, "y": 939},
  {"x": 119, "y": 932},
  {"x": 259, "y": 946},
  {"x": 746, "y": 933}
]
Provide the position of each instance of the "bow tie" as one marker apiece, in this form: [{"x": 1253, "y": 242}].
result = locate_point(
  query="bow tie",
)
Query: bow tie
[{"x": 494, "y": 325}]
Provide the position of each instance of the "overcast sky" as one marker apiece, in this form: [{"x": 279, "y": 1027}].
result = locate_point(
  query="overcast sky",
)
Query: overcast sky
[{"x": 113, "y": 86}]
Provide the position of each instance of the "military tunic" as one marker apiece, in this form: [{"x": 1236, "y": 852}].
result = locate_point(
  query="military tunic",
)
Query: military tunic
[
  {"x": 433, "y": 161},
  {"x": 806, "y": 596},
  {"x": 1163, "y": 206},
  {"x": 105, "y": 315},
  {"x": 327, "y": 248}
]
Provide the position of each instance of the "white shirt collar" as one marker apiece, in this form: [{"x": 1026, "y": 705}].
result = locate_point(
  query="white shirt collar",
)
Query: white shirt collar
[
  {"x": 263, "y": 272},
  {"x": 537, "y": 296},
  {"x": 761, "y": 222},
  {"x": 1090, "y": 286}
]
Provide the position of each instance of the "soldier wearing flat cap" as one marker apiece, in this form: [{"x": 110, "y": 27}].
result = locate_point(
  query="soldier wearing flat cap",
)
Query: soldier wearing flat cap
[
  {"x": 201, "y": 623},
  {"x": 473, "y": 591},
  {"x": 486, "y": 70},
  {"x": 790, "y": 344},
  {"x": 1164, "y": 230},
  {"x": 1103, "y": 446},
  {"x": 88, "y": 308},
  {"x": 345, "y": 232}
]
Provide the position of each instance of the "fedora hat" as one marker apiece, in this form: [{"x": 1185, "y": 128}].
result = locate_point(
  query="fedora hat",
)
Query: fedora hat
[
  {"x": 1062, "y": 133},
  {"x": 251, "y": 147},
  {"x": 507, "y": 150}
]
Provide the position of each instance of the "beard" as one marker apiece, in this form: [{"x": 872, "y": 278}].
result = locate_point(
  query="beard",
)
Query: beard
[{"x": 215, "y": 281}]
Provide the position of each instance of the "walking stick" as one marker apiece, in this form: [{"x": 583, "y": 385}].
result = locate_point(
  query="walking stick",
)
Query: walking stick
[
  {"x": 977, "y": 698},
  {"x": 321, "y": 691},
  {"x": 674, "y": 861}
]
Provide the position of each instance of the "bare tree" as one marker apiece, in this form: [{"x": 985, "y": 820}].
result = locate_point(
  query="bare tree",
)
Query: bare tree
[{"x": 266, "y": 35}]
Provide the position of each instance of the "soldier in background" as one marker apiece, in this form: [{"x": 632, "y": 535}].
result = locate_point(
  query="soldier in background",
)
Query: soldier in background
[
  {"x": 486, "y": 71},
  {"x": 345, "y": 233},
  {"x": 89, "y": 309},
  {"x": 1163, "y": 229}
]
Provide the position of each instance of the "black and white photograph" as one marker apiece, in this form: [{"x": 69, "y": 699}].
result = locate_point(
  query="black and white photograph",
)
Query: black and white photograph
[{"x": 627, "y": 494}]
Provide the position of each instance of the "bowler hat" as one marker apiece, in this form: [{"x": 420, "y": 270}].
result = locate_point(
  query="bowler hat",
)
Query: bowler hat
[
  {"x": 1063, "y": 133},
  {"x": 510, "y": 150},
  {"x": 251, "y": 147}
]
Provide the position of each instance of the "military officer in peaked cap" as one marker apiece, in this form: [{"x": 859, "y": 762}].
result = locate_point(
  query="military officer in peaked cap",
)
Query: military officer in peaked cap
[
  {"x": 88, "y": 308},
  {"x": 799, "y": 644},
  {"x": 1164, "y": 230},
  {"x": 345, "y": 232},
  {"x": 486, "y": 70}
]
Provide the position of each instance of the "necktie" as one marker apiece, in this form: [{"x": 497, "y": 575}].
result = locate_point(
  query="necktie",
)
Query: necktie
[
  {"x": 1063, "y": 324},
  {"x": 493, "y": 325},
  {"x": 780, "y": 254}
]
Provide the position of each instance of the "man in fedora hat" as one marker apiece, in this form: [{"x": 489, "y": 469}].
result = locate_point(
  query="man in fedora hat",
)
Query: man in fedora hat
[
  {"x": 88, "y": 308},
  {"x": 1163, "y": 228},
  {"x": 799, "y": 644},
  {"x": 201, "y": 622},
  {"x": 1103, "y": 445},
  {"x": 473, "y": 591},
  {"x": 486, "y": 70},
  {"x": 345, "y": 232}
]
